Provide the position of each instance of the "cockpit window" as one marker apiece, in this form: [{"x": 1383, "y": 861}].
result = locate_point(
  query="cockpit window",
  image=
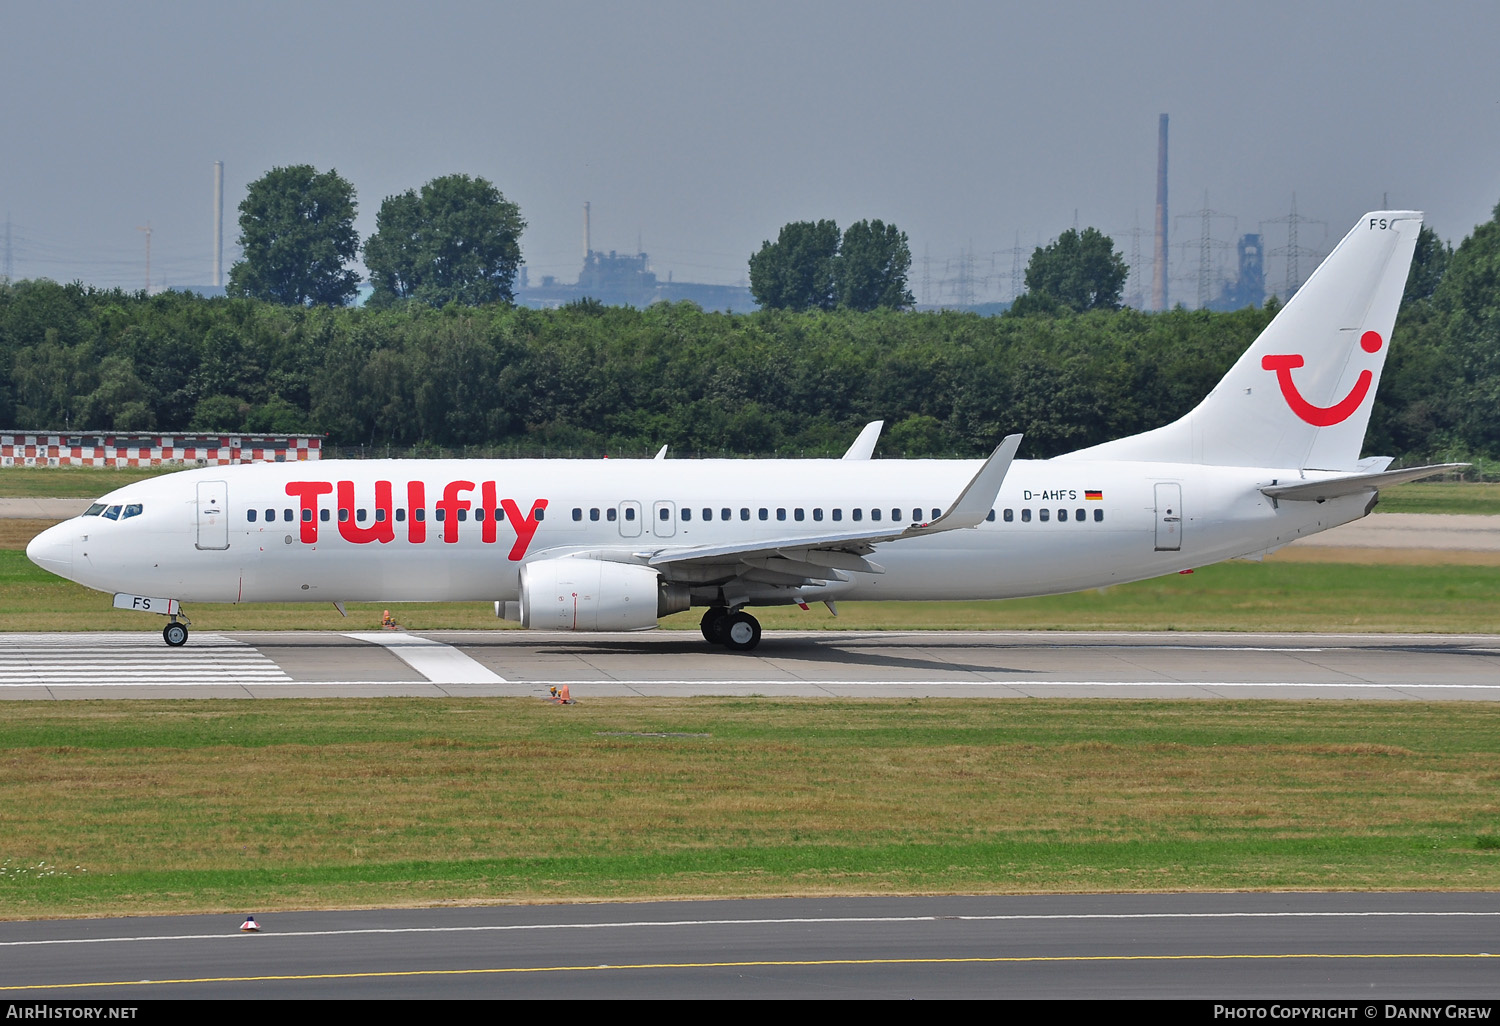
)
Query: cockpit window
[
  {"x": 94, "y": 510},
  {"x": 132, "y": 510},
  {"x": 113, "y": 513}
]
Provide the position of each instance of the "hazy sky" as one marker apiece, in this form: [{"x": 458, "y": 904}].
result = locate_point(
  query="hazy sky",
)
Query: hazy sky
[{"x": 700, "y": 128}]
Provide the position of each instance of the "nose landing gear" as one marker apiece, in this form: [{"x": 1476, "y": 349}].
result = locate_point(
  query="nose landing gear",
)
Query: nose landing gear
[{"x": 175, "y": 634}]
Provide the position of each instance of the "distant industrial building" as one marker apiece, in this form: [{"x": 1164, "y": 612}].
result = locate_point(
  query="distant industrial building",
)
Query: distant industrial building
[
  {"x": 619, "y": 279},
  {"x": 1249, "y": 288}
]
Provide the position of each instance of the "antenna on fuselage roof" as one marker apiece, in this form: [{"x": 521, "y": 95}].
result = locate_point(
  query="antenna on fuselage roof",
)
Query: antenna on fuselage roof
[{"x": 661, "y": 453}]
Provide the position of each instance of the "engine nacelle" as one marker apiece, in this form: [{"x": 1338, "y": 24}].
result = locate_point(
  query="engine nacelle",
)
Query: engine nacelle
[{"x": 579, "y": 594}]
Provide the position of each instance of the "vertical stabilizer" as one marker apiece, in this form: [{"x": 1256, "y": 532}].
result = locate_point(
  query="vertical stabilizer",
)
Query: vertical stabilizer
[{"x": 1301, "y": 395}]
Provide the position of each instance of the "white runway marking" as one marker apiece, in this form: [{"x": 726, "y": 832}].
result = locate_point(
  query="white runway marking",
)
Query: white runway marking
[
  {"x": 677, "y": 923},
  {"x": 439, "y": 663},
  {"x": 104, "y": 659},
  {"x": 931, "y": 682}
]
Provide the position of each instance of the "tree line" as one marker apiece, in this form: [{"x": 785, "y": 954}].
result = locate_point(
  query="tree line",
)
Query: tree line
[
  {"x": 455, "y": 241},
  {"x": 606, "y": 380},
  {"x": 435, "y": 364}
]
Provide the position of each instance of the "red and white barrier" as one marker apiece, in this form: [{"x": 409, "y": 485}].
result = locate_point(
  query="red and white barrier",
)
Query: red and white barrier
[{"x": 132, "y": 449}]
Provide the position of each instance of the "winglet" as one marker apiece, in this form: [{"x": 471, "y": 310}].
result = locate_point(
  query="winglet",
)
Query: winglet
[
  {"x": 974, "y": 503},
  {"x": 864, "y": 446}
]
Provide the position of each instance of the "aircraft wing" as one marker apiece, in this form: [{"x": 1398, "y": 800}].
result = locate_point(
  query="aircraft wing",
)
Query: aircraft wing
[
  {"x": 1332, "y": 488},
  {"x": 845, "y": 550}
]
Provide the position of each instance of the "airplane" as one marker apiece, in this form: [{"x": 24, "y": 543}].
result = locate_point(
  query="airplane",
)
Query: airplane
[{"x": 1272, "y": 454}]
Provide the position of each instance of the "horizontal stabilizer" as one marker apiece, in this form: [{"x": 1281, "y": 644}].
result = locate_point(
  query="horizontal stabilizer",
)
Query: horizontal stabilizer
[{"x": 1332, "y": 488}]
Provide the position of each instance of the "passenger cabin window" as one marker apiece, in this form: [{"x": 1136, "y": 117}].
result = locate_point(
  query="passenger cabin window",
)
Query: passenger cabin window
[
  {"x": 780, "y": 513},
  {"x": 1080, "y": 515},
  {"x": 541, "y": 515},
  {"x": 578, "y": 513},
  {"x": 288, "y": 515},
  {"x": 497, "y": 514},
  {"x": 724, "y": 513},
  {"x": 629, "y": 513},
  {"x": 991, "y": 516},
  {"x": 896, "y": 515},
  {"x": 463, "y": 515},
  {"x": 250, "y": 515},
  {"x": 838, "y": 514},
  {"x": 440, "y": 514},
  {"x": 1009, "y": 515},
  {"x": 323, "y": 515},
  {"x": 610, "y": 514},
  {"x": 1026, "y": 516},
  {"x": 764, "y": 514},
  {"x": 744, "y": 512},
  {"x": 594, "y": 513},
  {"x": 1098, "y": 515},
  {"x": 666, "y": 514},
  {"x": 875, "y": 514},
  {"x": 271, "y": 515},
  {"x": 858, "y": 514},
  {"x": 343, "y": 516},
  {"x": 359, "y": 515},
  {"x": 1062, "y": 516},
  {"x": 419, "y": 515},
  {"x": 687, "y": 514},
  {"x": 817, "y": 513},
  {"x": 798, "y": 514},
  {"x": 1043, "y": 515},
  {"x": 400, "y": 516}
]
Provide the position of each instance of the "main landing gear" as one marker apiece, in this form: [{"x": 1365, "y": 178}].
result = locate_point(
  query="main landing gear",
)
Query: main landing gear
[{"x": 738, "y": 631}]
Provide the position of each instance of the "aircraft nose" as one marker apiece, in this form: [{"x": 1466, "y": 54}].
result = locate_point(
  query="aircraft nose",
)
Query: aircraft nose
[{"x": 52, "y": 550}]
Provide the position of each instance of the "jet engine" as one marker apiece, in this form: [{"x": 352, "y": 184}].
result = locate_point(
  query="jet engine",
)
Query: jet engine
[{"x": 580, "y": 594}]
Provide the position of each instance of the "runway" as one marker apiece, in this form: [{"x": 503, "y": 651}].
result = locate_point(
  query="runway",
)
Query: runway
[
  {"x": 969, "y": 664},
  {"x": 1366, "y": 948}
]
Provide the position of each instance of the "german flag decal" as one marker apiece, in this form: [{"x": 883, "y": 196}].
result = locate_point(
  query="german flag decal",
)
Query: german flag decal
[{"x": 1090, "y": 493}]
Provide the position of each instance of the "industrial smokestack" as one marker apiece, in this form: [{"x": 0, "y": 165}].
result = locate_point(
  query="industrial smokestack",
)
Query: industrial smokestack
[
  {"x": 218, "y": 223},
  {"x": 1159, "y": 266},
  {"x": 587, "y": 249}
]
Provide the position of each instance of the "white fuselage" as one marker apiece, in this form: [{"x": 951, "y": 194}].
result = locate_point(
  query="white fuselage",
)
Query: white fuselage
[{"x": 272, "y": 532}]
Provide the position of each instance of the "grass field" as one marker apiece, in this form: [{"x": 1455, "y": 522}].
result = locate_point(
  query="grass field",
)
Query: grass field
[
  {"x": 1234, "y": 596},
  {"x": 1296, "y": 590},
  {"x": 1466, "y": 497},
  {"x": 114, "y": 808},
  {"x": 138, "y": 807},
  {"x": 71, "y": 482}
]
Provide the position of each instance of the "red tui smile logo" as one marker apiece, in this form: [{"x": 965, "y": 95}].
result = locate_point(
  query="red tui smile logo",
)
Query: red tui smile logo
[{"x": 1322, "y": 416}]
